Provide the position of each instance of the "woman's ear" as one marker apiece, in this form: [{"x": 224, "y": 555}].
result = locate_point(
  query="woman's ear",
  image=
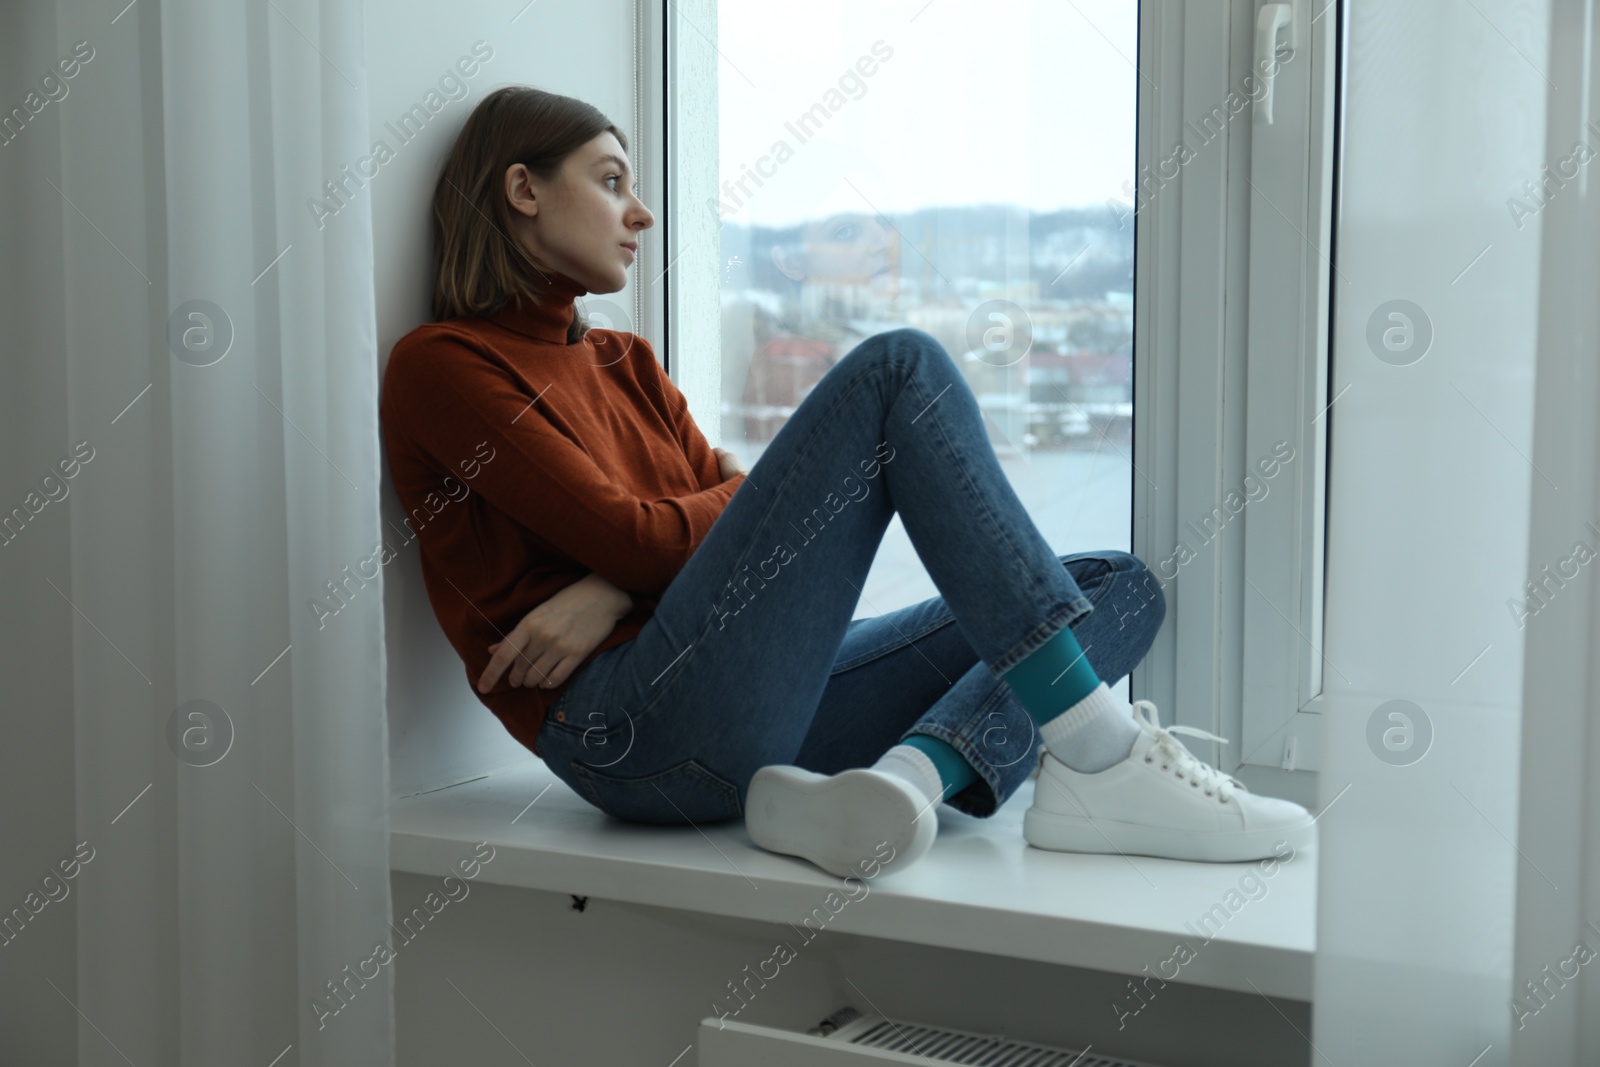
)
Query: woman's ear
[
  {"x": 786, "y": 265},
  {"x": 520, "y": 191}
]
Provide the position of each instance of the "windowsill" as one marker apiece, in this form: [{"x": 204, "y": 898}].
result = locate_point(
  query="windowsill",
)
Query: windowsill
[{"x": 981, "y": 888}]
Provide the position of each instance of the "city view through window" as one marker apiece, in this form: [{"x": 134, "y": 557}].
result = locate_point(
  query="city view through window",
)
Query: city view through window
[{"x": 868, "y": 183}]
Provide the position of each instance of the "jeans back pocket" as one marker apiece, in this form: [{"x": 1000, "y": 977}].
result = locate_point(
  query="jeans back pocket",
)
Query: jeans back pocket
[{"x": 684, "y": 793}]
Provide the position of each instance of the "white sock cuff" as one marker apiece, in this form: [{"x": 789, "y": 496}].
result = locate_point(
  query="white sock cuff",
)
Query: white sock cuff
[
  {"x": 1100, "y": 701},
  {"x": 912, "y": 764}
]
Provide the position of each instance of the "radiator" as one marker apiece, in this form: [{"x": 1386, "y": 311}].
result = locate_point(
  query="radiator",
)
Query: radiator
[{"x": 849, "y": 1038}]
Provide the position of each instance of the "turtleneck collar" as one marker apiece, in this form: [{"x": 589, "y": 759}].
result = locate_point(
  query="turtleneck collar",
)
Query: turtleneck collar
[{"x": 547, "y": 319}]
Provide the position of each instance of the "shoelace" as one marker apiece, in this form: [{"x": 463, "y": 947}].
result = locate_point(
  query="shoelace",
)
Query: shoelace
[{"x": 1199, "y": 772}]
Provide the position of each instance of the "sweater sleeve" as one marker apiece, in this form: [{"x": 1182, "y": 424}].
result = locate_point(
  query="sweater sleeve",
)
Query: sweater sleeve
[
  {"x": 453, "y": 398},
  {"x": 676, "y": 410}
]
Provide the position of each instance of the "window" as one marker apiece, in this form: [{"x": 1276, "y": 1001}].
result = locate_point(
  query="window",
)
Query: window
[
  {"x": 1086, "y": 204},
  {"x": 870, "y": 178}
]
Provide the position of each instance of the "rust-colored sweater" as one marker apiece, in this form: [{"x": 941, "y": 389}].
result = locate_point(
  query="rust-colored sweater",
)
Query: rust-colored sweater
[{"x": 524, "y": 463}]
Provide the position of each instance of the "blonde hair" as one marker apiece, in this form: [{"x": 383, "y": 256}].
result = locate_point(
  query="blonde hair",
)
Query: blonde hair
[{"x": 479, "y": 266}]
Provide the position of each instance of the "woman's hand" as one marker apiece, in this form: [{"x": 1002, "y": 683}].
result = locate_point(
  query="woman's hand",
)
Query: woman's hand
[
  {"x": 728, "y": 463},
  {"x": 552, "y": 639}
]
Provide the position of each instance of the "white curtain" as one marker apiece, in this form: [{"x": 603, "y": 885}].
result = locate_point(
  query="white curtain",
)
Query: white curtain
[
  {"x": 1458, "y": 894},
  {"x": 1554, "y": 984},
  {"x": 190, "y": 458}
]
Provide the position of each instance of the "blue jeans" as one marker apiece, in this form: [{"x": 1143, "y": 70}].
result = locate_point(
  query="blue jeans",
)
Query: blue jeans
[{"x": 752, "y": 656}]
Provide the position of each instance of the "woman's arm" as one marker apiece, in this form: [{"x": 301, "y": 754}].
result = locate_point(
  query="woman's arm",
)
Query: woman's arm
[
  {"x": 446, "y": 399},
  {"x": 554, "y": 638},
  {"x": 703, "y": 458}
]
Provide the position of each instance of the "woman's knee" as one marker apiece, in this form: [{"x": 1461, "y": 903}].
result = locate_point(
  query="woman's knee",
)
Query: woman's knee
[
  {"x": 1147, "y": 604},
  {"x": 1149, "y": 589},
  {"x": 1129, "y": 590},
  {"x": 900, "y": 344}
]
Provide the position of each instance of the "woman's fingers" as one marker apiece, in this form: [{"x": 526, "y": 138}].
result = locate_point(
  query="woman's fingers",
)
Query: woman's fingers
[
  {"x": 529, "y": 664},
  {"x": 554, "y": 675},
  {"x": 505, "y": 654},
  {"x": 541, "y": 672},
  {"x": 527, "y": 670},
  {"x": 546, "y": 647},
  {"x": 542, "y": 656}
]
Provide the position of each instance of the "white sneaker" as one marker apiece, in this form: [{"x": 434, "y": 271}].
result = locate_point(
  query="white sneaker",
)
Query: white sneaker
[
  {"x": 857, "y": 822},
  {"x": 1160, "y": 801}
]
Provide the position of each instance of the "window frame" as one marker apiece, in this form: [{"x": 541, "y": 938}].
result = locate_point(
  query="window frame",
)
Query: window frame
[
  {"x": 680, "y": 297},
  {"x": 1230, "y": 268},
  {"x": 1294, "y": 174}
]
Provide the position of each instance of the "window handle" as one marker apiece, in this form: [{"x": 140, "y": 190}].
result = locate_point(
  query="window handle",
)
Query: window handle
[{"x": 1271, "y": 19}]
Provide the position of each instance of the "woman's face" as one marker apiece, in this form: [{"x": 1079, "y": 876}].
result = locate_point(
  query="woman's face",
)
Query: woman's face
[
  {"x": 845, "y": 247},
  {"x": 585, "y": 222}
]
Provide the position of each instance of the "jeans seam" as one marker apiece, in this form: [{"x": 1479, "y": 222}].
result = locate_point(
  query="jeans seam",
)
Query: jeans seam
[
  {"x": 1057, "y": 621},
  {"x": 849, "y": 390},
  {"x": 977, "y": 497},
  {"x": 692, "y": 766},
  {"x": 999, "y": 693},
  {"x": 1093, "y": 598},
  {"x": 1111, "y": 569},
  {"x": 583, "y": 780},
  {"x": 893, "y": 646}
]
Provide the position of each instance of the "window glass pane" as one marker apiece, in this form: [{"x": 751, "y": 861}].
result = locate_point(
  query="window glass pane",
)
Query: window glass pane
[{"x": 963, "y": 167}]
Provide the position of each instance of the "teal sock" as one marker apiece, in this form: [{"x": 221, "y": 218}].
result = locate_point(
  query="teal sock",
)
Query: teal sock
[
  {"x": 1053, "y": 677},
  {"x": 955, "y": 773}
]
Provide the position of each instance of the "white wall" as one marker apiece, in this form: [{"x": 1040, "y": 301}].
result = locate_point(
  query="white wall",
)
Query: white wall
[
  {"x": 439, "y": 732},
  {"x": 511, "y": 973},
  {"x": 1558, "y": 888}
]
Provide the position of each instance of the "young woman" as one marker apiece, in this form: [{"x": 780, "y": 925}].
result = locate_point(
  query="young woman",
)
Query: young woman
[{"x": 673, "y": 634}]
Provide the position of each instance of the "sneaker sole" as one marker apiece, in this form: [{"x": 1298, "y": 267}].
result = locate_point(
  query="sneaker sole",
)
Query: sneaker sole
[
  {"x": 1072, "y": 833},
  {"x": 842, "y": 822}
]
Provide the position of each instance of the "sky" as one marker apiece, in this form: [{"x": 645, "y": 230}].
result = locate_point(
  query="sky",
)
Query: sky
[{"x": 1030, "y": 102}]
